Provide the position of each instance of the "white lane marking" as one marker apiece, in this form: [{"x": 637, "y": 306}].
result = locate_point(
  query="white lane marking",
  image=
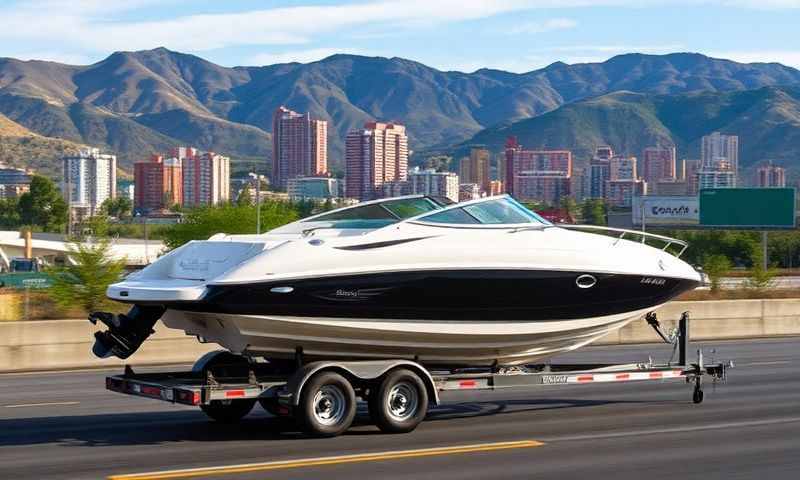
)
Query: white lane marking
[
  {"x": 45, "y": 404},
  {"x": 778, "y": 362},
  {"x": 166, "y": 366},
  {"x": 697, "y": 428}
]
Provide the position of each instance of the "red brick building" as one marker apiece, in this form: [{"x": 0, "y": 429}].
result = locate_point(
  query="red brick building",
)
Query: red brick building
[{"x": 158, "y": 183}]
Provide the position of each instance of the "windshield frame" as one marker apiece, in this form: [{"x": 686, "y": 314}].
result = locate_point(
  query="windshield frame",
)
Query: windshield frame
[{"x": 542, "y": 223}]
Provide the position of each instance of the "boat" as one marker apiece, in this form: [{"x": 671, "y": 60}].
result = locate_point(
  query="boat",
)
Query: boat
[{"x": 482, "y": 282}]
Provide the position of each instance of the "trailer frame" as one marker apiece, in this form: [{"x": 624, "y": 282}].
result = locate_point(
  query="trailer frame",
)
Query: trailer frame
[{"x": 201, "y": 386}]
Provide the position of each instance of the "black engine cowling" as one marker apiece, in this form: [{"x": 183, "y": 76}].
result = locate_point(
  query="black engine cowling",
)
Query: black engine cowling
[{"x": 126, "y": 332}]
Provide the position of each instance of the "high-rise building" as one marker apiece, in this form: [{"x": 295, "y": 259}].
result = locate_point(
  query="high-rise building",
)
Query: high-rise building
[
  {"x": 716, "y": 179},
  {"x": 495, "y": 188},
  {"x": 468, "y": 191},
  {"x": 479, "y": 168},
  {"x": 158, "y": 183},
  {"x": 206, "y": 178},
  {"x": 603, "y": 152},
  {"x": 578, "y": 184},
  {"x": 433, "y": 183},
  {"x": 543, "y": 175},
  {"x": 13, "y": 182},
  {"x": 465, "y": 169},
  {"x": 599, "y": 172},
  {"x": 314, "y": 188},
  {"x": 374, "y": 155},
  {"x": 90, "y": 178},
  {"x": 717, "y": 148},
  {"x": 511, "y": 149},
  {"x": 620, "y": 193},
  {"x": 692, "y": 168},
  {"x": 622, "y": 168},
  {"x": 771, "y": 176},
  {"x": 299, "y": 146},
  {"x": 539, "y": 175},
  {"x": 658, "y": 164}
]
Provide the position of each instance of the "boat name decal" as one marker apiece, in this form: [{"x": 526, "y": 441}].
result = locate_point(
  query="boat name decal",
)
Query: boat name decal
[
  {"x": 554, "y": 379},
  {"x": 653, "y": 281},
  {"x": 347, "y": 293}
]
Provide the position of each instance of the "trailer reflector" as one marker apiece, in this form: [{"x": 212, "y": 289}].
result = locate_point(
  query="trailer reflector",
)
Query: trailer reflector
[
  {"x": 467, "y": 384},
  {"x": 234, "y": 393}
]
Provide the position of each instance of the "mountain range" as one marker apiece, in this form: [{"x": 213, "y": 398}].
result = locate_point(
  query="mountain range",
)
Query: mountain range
[
  {"x": 767, "y": 121},
  {"x": 136, "y": 103}
]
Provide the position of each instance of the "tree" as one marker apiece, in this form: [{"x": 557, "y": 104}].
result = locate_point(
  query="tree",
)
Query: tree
[
  {"x": 119, "y": 207},
  {"x": 9, "y": 213},
  {"x": 760, "y": 277},
  {"x": 85, "y": 283},
  {"x": 569, "y": 206},
  {"x": 715, "y": 266},
  {"x": 43, "y": 205},
  {"x": 246, "y": 196},
  {"x": 201, "y": 223},
  {"x": 593, "y": 212},
  {"x": 94, "y": 226}
]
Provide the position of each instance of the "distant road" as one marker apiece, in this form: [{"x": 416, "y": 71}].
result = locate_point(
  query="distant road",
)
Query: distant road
[
  {"x": 777, "y": 282},
  {"x": 67, "y": 426}
]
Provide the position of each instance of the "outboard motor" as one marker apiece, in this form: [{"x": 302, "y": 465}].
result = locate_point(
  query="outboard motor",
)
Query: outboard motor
[{"x": 125, "y": 333}]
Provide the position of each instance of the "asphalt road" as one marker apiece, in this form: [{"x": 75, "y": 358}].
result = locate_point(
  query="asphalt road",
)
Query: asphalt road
[{"x": 66, "y": 425}]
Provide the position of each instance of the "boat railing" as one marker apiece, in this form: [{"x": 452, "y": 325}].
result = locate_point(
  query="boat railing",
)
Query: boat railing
[{"x": 622, "y": 233}]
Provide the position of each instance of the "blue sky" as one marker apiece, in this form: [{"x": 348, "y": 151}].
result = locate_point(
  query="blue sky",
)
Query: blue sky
[{"x": 515, "y": 35}]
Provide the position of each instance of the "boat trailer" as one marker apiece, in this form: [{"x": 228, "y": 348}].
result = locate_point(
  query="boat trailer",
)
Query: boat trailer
[{"x": 227, "y": 386}]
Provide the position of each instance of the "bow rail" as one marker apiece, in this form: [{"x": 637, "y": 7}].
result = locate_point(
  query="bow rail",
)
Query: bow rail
[{"x": 623, "y": 232}]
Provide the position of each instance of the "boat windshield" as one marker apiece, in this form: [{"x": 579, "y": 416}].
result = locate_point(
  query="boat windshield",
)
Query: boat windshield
[
  {"x": 501, "y": 211},
  {"x": 376, "y": 215}
]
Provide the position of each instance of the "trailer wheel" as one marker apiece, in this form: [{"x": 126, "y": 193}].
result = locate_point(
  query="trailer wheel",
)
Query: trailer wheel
[
  {"x": 225, "y": 364},
  {"x": 228, "y": 411},
  {"x": 399, "y": 403},
  {"x": 327, "y": 405}
]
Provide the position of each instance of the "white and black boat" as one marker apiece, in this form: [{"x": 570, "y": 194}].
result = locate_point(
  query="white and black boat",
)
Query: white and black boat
[{"x": 474, "y": 283}]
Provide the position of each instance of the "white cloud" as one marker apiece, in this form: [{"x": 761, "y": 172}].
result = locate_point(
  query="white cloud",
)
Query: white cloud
[
  {"x": 302, "y": 56},
  {"x": 276, "y": 26},
  {"x": 542, "y": 27}
]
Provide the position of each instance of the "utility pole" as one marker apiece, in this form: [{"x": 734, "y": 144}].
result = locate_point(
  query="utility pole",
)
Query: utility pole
[{"x": 258, "y": 202}]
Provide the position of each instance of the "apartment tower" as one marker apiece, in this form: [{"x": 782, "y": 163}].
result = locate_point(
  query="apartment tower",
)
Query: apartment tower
[
  {"x": 299, "y": 146},
  {"x": 374, "y": 155}
]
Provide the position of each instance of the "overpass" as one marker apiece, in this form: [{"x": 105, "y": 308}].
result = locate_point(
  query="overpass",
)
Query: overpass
[{"x": 54, "y": 248}]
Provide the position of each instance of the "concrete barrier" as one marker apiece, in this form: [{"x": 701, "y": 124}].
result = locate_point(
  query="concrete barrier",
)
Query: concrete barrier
[{"x": 66, "y": 344}]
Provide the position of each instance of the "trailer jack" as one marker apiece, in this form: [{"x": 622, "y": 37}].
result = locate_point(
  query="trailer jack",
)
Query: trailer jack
[{"x": 126, "y": 332}]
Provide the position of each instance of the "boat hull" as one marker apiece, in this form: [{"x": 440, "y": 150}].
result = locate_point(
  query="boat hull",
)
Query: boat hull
[{"x": 429, "y": 342}]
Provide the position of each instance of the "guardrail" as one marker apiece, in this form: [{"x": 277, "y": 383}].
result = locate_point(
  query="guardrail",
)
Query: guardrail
[{"x": 644, "y": 235}]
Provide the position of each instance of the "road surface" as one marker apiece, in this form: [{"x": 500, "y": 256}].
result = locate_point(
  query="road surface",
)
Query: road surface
[{"x": 67, "y": 426}]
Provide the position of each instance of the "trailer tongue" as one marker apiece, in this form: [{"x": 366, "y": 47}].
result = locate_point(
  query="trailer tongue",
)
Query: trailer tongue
[{"x": 322, "y": 395}]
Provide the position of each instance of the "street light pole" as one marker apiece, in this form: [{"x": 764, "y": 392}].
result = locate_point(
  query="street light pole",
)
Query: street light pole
[{"x": 258, "y": 204}]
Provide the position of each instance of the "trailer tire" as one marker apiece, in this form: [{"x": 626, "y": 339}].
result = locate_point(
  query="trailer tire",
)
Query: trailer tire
[
  {"x": 399, "y": 403},
  {"x": 228, "y": 411},
  {"x": 327, "y": 405}
]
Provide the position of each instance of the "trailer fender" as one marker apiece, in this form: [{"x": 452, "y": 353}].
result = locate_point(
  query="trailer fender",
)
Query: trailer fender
[{"x": 362, "y": 370}]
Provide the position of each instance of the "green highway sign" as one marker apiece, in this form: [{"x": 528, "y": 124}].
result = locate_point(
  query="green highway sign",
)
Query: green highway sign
[{"x": 748, "y": 208}]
